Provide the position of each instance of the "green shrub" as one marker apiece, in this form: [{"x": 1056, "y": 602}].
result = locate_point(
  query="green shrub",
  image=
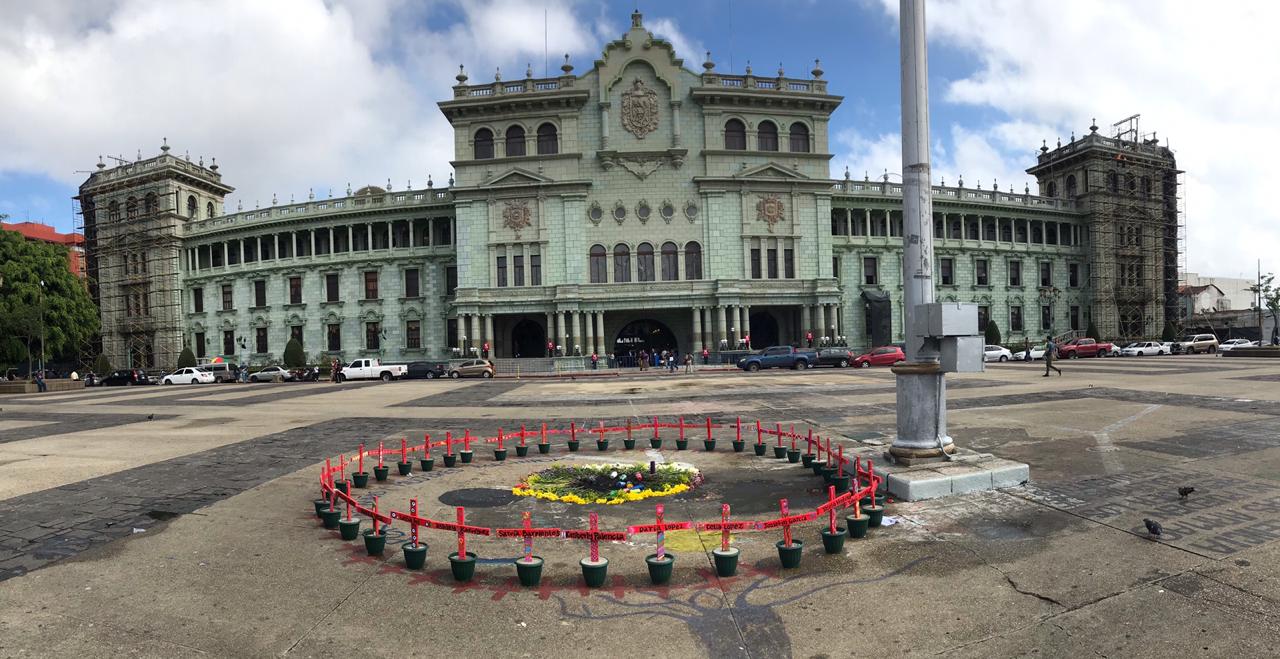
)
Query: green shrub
[
  {"x": 102, "y": 365},
  {"x": 1092, "y": 332},
  {"x": 993, "y": 333},
  {"x": 294, "y": 357},
  {"x": 1169, "y": 333},
  {"x": 187, "y": 359}
]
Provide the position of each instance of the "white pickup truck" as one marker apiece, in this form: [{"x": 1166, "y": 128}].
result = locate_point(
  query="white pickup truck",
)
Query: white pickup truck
[{"x": 369, "y": 369}]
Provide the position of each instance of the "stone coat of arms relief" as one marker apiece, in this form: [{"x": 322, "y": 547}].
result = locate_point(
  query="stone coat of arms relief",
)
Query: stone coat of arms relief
[
  {"x": 640, "y": 109},
  {"x": 517, "y": 216},
  {"x": 769, "y": 209}
]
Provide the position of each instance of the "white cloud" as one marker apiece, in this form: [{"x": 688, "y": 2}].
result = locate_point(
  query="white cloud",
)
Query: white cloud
[
  {"x": 691, "y": 51},
  {"x": 1196, "y": 72}
]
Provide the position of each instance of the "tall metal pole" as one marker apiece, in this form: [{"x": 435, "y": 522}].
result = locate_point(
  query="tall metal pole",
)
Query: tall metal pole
[{"x": 922, "y": 412}]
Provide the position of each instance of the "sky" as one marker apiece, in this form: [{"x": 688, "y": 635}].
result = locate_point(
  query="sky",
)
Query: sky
[{"x": 295, "y": 97}]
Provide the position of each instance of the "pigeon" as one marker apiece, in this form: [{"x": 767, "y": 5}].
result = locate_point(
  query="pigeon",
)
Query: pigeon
[
  {"x": 1184, "y": 491},
  {"x": 151, "y": 417},
  {"x": 1153, "y": 527}
]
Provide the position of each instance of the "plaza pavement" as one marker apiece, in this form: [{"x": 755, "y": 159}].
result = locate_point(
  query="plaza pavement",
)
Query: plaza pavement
[{"x": 191, "y": 533}]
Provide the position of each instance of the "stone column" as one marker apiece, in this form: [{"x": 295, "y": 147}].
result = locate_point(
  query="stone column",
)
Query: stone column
[
  {"x": 590, "y": 345},
  {"x": 577, "y": 331},
  {"x": 462, "y": 332},
  {"x": 368, "y": 232},
  {"x": 720, "y": 325},
  {"x": 310, "y": 234},
  {"x": 697, "y": 330},
  {"x": 224, "y": 254},
  {"x": 473, "y": 322},
  {"x": 746, "y": 322},
  {"x": 488, "y": 334},
  {"x": 550, "y": 333},
  {"x": 601, "y": 344},
  {"x": 559, "y": 338}
]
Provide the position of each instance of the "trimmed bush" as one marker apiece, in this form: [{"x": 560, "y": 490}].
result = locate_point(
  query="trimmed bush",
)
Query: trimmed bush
[
  {"x": 1092, "y": 332},
  {"x": 187, "y": 359},
  {"x": 102, "y": 365},
  {"x": 993, "y": 333},
  {"x": 294, "y": 357},
  {"x": 1169, "y": 333}
]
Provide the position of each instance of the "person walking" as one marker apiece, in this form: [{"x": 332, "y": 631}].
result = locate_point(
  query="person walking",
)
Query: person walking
[
  {"x": 688, "y": 362},
  {"x": 1026, "y": 349},
  {"x": 1050, "y": 352}
]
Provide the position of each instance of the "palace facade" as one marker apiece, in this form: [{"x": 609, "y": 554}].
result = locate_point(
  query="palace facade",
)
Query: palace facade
[{"x": 638, "y": 205}]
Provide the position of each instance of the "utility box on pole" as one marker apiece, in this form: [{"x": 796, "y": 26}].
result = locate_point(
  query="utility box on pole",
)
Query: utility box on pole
[{"x": 953, "y": 329}]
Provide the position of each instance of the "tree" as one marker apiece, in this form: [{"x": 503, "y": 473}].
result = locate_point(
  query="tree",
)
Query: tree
[
  {"x": 1170, "y": 332},
  {"x": 1269, "y": 299},
  {"x": 1092, "y": 331},
  {"x": 187, "y": 359},
  {"x": 294, "y": 357},
  {"x": 993, "y": 333},
  {"x": 102, "y": 366},
  {"x": 60, "y": 310}
]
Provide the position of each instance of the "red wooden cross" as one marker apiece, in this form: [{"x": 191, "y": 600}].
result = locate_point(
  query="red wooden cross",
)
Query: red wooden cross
[
  {"x": 466, "y": 443},
  {"x": 759, "y": 433},
  {"x": 499, "y": 439},
  {"x": 628, "y": 427},
  {"x": 655, "y": 427},
  {"x": 809, "y": 443},
  {"x": 832, "y": 503},
  {"x": 544, "y": 434},
  {"x": 426, "y": 446},
  {"x": 527, "y": 532},
  {"x": 724, "y": 526},
  {"x": 601, "y": 430},
  {"x": 709, "y": 437},
  {"x": 737, "y": 437},
  {"x": 523, "y": 433},
  {"x": 404, "y": 450},
  {"x": 786, "y": 521},
  {"x": 573, "y": 431},
  {"x": 840, "y": 460},
  {"x": 594, "y": 535},
  {"x": 380, "y": 451},
  {"x": 681, "y": 436},
  {"x": 777, "y": 430},
  {"x": 793, "y": 438},
  {"x": 660, "y": 529},
  {"x": 448, "y": 443},
  {"x": 360, "y": 466},
  {"x": 460, "y": 527},
  {"x": 373, "y": 514}
]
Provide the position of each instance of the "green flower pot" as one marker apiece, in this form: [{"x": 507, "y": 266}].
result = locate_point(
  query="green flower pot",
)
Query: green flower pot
[
  {"x": 655, "y": 442},
  {"x": 817, "y": 466},
  {"x": 628, "y": 444},
  {"x": 427, "y": 464},
  {"x": 833, "y": 543},
  {"x": 374, "y": 544},
  {"x": 415, "y": 556},
  {"x": 321, "y": 506},
  {"x": 738, "y": 446},
  {"x": 466, "y": 459},
  {"x": 790, "y": 556},
  {"x": 709, "y": 444},
  {"x": 857, "y": 525},
  {"x": 450, "y": 459},
  {"x": 827, "y": 474},
  {"x": 602, "y": 445},
  {"x": 529, "y": 572},
  {"x": 404, "y": 468},
  {"x": 660, "y": 570},
  {"x": 793, "y": 456},
  {"x": 682, "y": 444},
  {"x": 499, "y": 454},
  {"x": 866, "y": 501},
  {"x": 779, "y": 452},
  {"x": 522, "y": 450},
  {"x": 726, "y": 561},
  {"x": 573, "y": 446},
  {"x": 380, "y": 473},
  {"x": 360, "y": 479},
  {"x": 463, "y": 568},
  {"x": 330, "y": 518},
  {"x": 759, "y": 448},
  {"x": 807, "y": 460},
  {"x": 544, "y": 448},
  {"x": 876, "y": 515},
  {"x": 593, "y": 574},
  {"x": 343, "y": 487},
  {"x": 842, "y": 483},
  {"x": 349, "y": 528}
]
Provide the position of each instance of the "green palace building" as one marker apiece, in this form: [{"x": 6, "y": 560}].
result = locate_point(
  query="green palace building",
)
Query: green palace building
[{"x": 637, "y": 205}]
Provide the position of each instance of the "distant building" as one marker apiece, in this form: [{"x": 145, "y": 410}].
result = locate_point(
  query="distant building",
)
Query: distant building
[
  {"x": 44, "y": 233},
  {"x": 1202, "y": 299},
  {"x": 1235, "y": 291}
]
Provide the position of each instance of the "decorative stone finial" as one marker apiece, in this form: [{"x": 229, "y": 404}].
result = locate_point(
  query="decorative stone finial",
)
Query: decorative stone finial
[
  {"x": 708, "y": 65},
  {"x": 139, "y": 154},
  {"x": 430, "y": 183},
  {"x": 451, "y": 179},
  {"x": 1073, "y": 138},
  {"x": 780, "y": 72},
  {"x": 273, "y": 199},
  {"x": 348, "y": 188},
  {"x": 995, "y": 184},
  {"x": 164, "y": 146},
  {"x": 637, "y": 19},
  {"x": 846, "y": 172},
  {"x": 239, "y": 205},
  {"x": 388, "y": 184},
  {"x": 291, "y": 197},
  {"x": 979, "y": 184},
  {"x": 961, "y": 183},
  {"x": 311, "y": 194},
  {"x": 331, "y": 193},
  {"x": 1044, "y": 146},
  {"x": 528, "y": 70},
  {"x": 201, "y": 162},
  {"x": 213, "y": 166},
  {"x": 186, "y": 155},
  {"x": 1093, "y": 127},
  {"x": 497, "y": 74},
  {"x": 1026, "y": 188},
  {"x": 943, "y": 181},
  {"x": 817, "y": 69},
  {"x": 1059, "y": 142},
  {"x": 566, "y": 67},
  {"x": 866, "y": 176},
  {"x": 101, "y": 165},
  {"x": 886, "y": 176},
  {"x": 748, "y": 67},
  {"x": 462, "y": 75}
]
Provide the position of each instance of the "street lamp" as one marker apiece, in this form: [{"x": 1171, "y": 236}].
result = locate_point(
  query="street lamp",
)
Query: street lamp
[{"x": 41, "y": 328}]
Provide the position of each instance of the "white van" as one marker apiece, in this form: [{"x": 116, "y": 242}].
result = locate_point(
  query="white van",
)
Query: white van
[{"x": 222, "y": 371}]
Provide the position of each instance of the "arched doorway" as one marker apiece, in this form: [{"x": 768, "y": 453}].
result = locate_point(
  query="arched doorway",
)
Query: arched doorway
[
  {"x": 647, "y": 335},
  {"x": 764, "y": 330},
  {"x": 528, "y": 339}
]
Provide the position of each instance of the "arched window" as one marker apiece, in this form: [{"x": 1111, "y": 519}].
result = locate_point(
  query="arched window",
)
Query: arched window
[
  {"x": 515, "y": 141},
  {"x": 149, "y": 204},
  {"x": 621, "y": 263},
  {"x": 599, "y": 265},
  {"x": 131, "y": 208},
  {"x": 644, "y": 262},
  {"x": 1051, "y": 190},
  {"x": 548, "y": 140},
  {"x": 191, "y": 206},
  {"x": 1071, "y": 186},
  {"x": 1113, "y": 182},
  {"x": 767, "y": 136},
  {"x": 735, "y": 135},
  {"x": 208, "y": 210},
  {"x": 483, "y": 144},
  {"x": 799, "y": 138},
  {"x": 692, "y": 261},
  {"x": 113, "y": 210},
  {"x": 670, "y": 261}
]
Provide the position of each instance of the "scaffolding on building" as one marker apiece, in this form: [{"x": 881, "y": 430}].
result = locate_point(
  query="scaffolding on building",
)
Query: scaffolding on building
[{"x": 133, "y": 271}]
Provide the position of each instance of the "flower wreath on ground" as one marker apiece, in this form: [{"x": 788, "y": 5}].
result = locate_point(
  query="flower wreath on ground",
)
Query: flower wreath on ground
[{"x": 608, "y": 483}]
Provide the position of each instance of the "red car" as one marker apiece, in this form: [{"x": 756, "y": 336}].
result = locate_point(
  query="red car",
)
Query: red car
[{"x": 886, "y": 356}]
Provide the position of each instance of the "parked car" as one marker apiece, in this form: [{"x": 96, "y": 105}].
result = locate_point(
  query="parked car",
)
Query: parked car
[
  {"x": 370, "y": 369},
  {"x": 779, "y": 357},
  {"x": 1194, "y": 343},
  {"x": 425, "y": 371},
  {"x": 996, "y": 354},
  {"x": 270, "y": 374},
  {"x": 1140, "y": 348},
  {"x": 886, "y": 356},
  {"x": 126, "y": 377},
  {"x": 1236, "y": 343},
  {"x": 1076, "y": 348},
  {"x": 188, "y": 375},
  {"x": 222, "y": 371},
  {"x": 472, "y": 368},
  {"x": 1037, "y": 352},
  {"x": 838, "y": 357}
]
